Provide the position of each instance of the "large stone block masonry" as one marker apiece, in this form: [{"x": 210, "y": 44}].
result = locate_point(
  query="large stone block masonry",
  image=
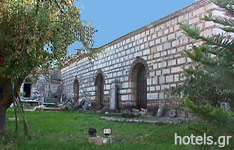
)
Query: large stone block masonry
[{"x": 150, "y": 57}]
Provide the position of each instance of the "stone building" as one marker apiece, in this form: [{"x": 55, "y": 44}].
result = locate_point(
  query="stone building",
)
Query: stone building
[
  {"x": 47, "y": 88},
  {"x": 139, "y": 66}
]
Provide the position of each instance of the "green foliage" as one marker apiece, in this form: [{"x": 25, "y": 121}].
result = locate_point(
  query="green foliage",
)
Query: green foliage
[
  {"x": 216, "y": 121},
  {"x": 70, "y": 132},
  {"x": 226, "y": 4},
  {"x": 215, "y": 116},
  {"x": 210, "y": 79},
  {"x": 190, "y": 30},
  {"x": 27, "y": 26}
]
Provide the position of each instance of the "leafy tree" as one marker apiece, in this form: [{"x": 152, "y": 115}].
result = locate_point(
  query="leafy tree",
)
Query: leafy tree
[
  {"x": 210, "y": 80},
  {"x": 26, "y": 28}
]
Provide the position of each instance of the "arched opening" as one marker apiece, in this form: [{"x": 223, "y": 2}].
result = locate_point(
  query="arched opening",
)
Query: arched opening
[
  {"x": 27, "y": 88},
  {"x": 76, "y": 90},
  {"x": 100, "y": 90},
  {"x": 138, "y": 77},
  {"x": 141, "y": 88}
]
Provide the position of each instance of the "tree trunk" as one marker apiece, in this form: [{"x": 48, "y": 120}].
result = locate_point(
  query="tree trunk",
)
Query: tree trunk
[
  {"x": 5, "y": 102},
  {"x": 2, "y": 120},
  {"x": 16, "y": 117},
  {"x": 16, "y": 98},
  {"x": 6, "y": 97},
  {"x": 21, "y": 110}
]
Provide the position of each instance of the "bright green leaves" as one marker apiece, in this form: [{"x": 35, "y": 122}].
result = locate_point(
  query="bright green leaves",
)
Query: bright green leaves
[{"x": 27, "y": 26}]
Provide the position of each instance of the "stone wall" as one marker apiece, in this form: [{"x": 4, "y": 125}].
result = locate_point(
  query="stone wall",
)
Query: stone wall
[
  {"x": 158, "y": 47},
  {"x": 45, "y": 88}
]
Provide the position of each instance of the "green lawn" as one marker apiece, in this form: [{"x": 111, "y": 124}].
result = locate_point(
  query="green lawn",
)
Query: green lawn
[{"x": 69, "y": 130}]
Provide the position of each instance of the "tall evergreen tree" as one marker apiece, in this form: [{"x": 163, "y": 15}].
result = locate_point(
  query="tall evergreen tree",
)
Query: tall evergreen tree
[{"x": 210, "y": 80}]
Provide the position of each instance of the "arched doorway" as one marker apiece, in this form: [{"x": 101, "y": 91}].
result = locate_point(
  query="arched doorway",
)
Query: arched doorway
[
  {"x": 138, "y": 77},
  {"x": 141, "y": 87},
  {"x": 27, "y": 88},
  {"x": 99, "y": 83},
  {"x": 76, "y": 90}
]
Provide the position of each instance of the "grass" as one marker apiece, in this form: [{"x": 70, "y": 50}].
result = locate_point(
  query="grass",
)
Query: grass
[{"x": 69, "y": 131}]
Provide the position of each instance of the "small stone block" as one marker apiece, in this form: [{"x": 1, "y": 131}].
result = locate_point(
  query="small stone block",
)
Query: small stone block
[{"x": 99, "y": 140}]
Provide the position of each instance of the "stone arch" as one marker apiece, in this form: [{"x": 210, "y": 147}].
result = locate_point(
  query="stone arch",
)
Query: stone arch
[
  {"x": 138, "y": 60},
  {"x": 138, "y": 75},
  {"x": 99, "y": 88},
  {"x": 76, "y": 89},
  {"x": 99, "y": 71}
]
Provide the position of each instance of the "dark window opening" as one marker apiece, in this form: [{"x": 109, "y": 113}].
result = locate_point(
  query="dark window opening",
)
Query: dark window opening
[{"x": 27, "y": 90}]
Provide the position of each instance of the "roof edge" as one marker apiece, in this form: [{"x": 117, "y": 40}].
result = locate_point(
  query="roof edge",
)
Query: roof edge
[{"x": 177, "y": 13}]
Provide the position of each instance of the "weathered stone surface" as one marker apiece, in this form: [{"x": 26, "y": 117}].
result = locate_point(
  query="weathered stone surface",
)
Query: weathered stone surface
[
  {"x": 86, "y": 105},
  {"x": 161, "y": 110},
  {"x": 155, "y": 122},
  {"x": 100, "y": 140},
  {"x": 225, "y": 105},
  {"x": 160, "y": 45},
  {"x": 172, "y": 113},
  {"x": 113, "y": 97},
  {"x": 169, "y": 78}
]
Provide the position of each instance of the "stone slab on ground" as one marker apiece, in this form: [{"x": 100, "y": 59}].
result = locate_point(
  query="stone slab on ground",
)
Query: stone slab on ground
[
  {"x": 100, "y": 140},
  {"x": 159, "y": 121}
]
